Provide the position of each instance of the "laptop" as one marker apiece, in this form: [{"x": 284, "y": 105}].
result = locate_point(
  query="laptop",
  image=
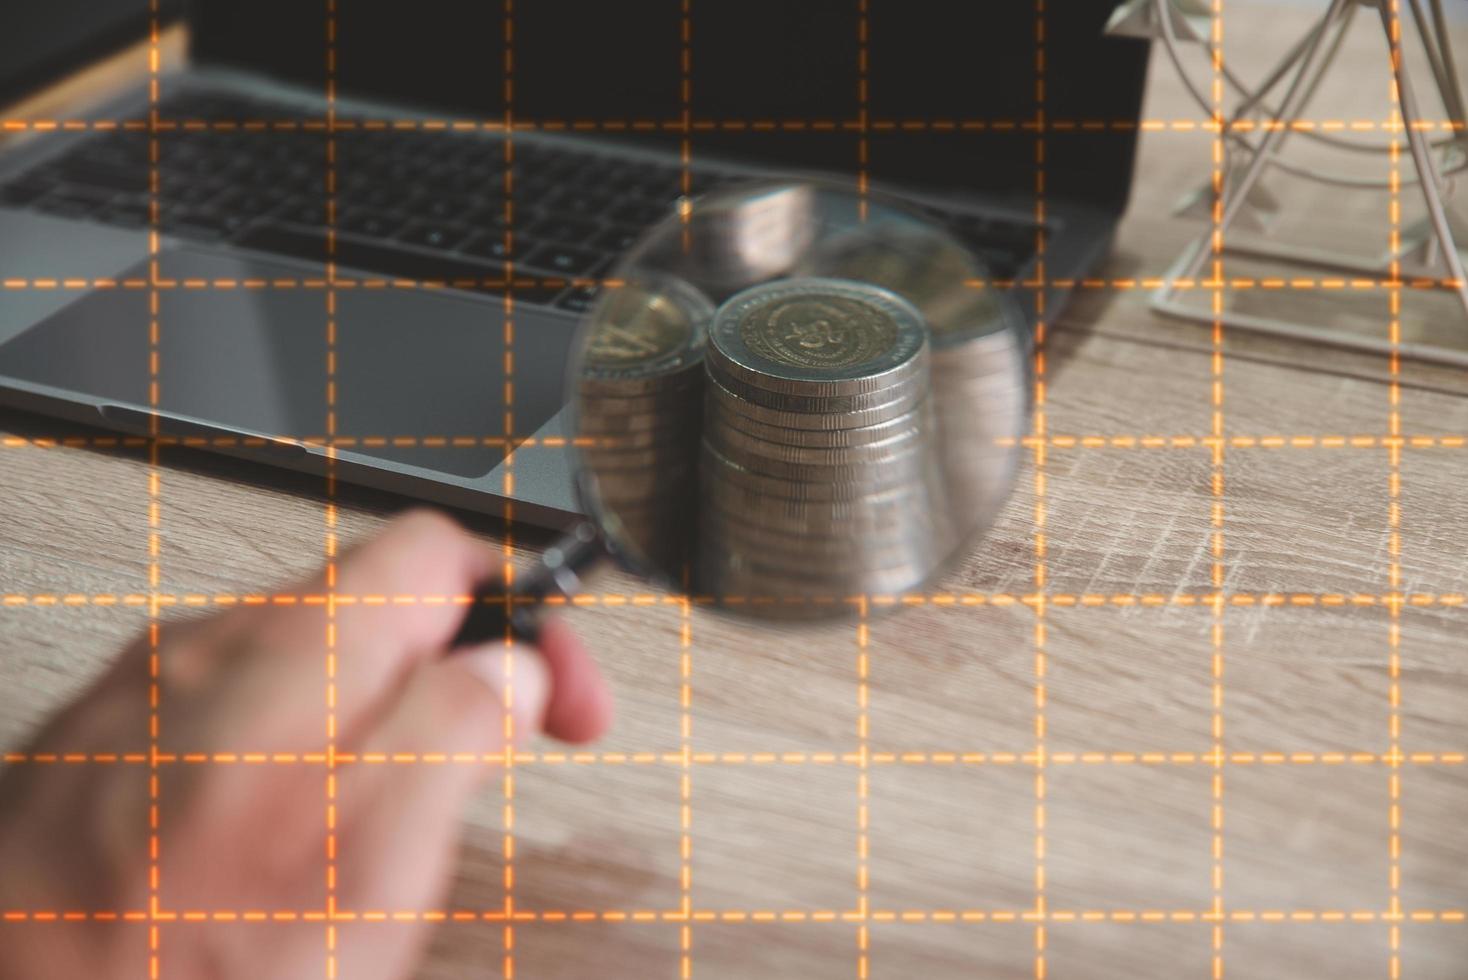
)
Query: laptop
[{"x": 605, "y": 106}]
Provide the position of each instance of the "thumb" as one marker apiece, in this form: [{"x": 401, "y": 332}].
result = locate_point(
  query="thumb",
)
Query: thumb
[
  {"x": 400, "y": 807},
  {"x": 514, "y": 679}
]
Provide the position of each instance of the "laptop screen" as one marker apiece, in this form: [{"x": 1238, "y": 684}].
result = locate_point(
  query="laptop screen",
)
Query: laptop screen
[
  {"x": 948, "y": 88},
  {"x": 40, "y": 41}
]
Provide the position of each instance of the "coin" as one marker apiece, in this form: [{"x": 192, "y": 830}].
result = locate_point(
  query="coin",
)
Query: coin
[
  {"x": 899, "y": 462},
  {"x": 721, "y": 399},
  {"x": 810, "y": 404},
  {"x": 854, "y": 484},
  {"x": 591, "y": 424},
  {"x": 736, "y": 240},
  {"x": 817, "y": 337},
  {"x": 909, "y": 423},
  {"x": 847, "y": 417},
  {"x": 735, "y": 443},
  {"x": 641, "y": 333}
]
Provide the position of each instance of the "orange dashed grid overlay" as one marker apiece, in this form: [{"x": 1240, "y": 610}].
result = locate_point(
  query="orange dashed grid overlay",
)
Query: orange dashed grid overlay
[
  {"x": 507, "y": 779},
  {"x": 1041, "y": 600},
  {"x": 863, "y": 627},
  {"x": 685, "y": 609},
  {"x": 1040, "y": 428},
  {"x": 498, "y": 284},
  {"x": 1328, "y": 441},
  {"x": 1216, "y": 511},
  {"x": 877, "y": 757},
  {"x": 155, "y": 500},
  {"x": 755, "y": 915},
  {"x": 329, "y": 538},
  {"x": 1394, "y": 516},
  {"x": 633, "y": 916},
  {"x": 305, "y": 124}
]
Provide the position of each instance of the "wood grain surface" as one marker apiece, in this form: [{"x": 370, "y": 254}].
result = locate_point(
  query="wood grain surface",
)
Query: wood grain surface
[{"x": 890, "y": 794}]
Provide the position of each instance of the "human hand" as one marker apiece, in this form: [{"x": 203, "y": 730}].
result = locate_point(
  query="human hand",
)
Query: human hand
[{"x": 237, "y": 836}]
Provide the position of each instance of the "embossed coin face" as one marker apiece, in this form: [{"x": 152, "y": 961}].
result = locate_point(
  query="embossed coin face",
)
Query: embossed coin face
[
  {"x": 819, "y": 331},
  {"x": 645, "y": 329},
  {"x": 817, "y": 337}
]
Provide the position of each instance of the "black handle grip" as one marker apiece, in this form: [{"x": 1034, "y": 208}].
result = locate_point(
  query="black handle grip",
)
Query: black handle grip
[{"x": 497, "y": 615}]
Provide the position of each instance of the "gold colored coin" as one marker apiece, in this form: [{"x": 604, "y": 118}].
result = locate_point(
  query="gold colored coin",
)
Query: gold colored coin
[
  {"x": 638, "y": 328},
  {"x": 820, "y": 331}
]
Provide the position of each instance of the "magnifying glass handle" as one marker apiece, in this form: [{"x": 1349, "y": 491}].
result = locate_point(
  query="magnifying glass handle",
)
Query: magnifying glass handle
[{"x": 498, "y": 613}]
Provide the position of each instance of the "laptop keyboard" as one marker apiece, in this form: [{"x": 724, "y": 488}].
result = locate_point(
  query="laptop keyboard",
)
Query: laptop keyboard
[{"x": 411, "y": 204}]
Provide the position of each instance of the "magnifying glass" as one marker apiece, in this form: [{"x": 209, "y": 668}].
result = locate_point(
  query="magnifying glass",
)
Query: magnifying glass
[{"x": 789, "y": 395}]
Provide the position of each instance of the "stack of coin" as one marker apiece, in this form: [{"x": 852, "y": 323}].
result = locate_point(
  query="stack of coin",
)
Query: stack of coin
[
  {"x": 639, "y": 415},
  {"x": 819, "y": 475},
  {"x": 731, "y": 240},
  {"x": 980, "y": 357}
]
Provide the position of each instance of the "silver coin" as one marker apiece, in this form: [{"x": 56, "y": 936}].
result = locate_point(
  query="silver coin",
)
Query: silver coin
[
  {"x": 823, "y": 572},
  {"x": 640, "y": 334},
  {"x": 908, "y": 423},
  {"x": 867, "y": 480},
  {"x": 741, "y": 580},
  {"x": 818, "y": 337},
  {"x": 664, "y": 437},
  {"x": 607, "y": 461},
  {"x": 868, "y": 549},
  {"x": 962, "y": 364},
  {"x": 685, "y": 387},
  {"x": 866, "y": 510},
  {"x": 722, "y": 400},
  {"x": 629, "y": 425},
  {"x": 787, "y": 401},
  {"x": 777, "y": 517},
  {"x": 736, "y": 240},
  {"x": 905, "y": 462},
  {"x": 735, "y": 442}
]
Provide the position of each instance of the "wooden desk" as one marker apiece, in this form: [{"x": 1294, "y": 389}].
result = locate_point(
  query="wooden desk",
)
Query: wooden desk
[{"x": 894, "y": 794}]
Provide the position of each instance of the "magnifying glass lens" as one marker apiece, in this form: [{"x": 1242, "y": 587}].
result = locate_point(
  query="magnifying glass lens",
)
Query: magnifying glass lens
[{"x": 793, "y": 395}]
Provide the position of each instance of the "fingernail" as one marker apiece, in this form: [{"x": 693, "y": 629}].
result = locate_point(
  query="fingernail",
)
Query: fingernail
[{"x": 520, "y": 681}]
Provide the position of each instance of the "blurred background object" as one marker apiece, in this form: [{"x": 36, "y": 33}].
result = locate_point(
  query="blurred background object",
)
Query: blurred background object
[{"x": 1258, "y": 119}]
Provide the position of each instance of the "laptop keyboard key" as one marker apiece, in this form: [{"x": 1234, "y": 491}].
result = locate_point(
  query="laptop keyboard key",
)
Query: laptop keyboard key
[
  {"x": 376, "y": 259},
  {"x": 441, "y": 208},
  {"x": 616, "y": 239},
  {"x": 564, "y": 260},
  {"x": 24, "y": 191},
  {"x": 491, "y": 245},
  {"x": 310, "y": 212},
  {"x": 440, "y": 237},
  {"x": 579, "y": 202},
  {"x": 76, "y": 202},
  {"x": 202, "y": 225},
  {"x": 399, "y": 193},
  {"x": 131, "y": 214},
  {"x": 118, "y": 180},
  {"x": 558, "y": 228},
  {"x": 639, "y": 215},
  {"x": 371, "y": 223},
  {"x": 578, "y": 299}
]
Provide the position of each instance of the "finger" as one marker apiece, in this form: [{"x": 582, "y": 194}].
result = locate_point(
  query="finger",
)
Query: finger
[
  {"x": 399, "y": 604},
  {"x": 396, "y": 590},
  {"x": 400, "y": 819},
  {"x": 580, "y": 708}
]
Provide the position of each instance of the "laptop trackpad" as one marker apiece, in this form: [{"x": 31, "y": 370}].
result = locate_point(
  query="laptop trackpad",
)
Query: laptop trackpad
[{"x": 419, "y": 378}]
